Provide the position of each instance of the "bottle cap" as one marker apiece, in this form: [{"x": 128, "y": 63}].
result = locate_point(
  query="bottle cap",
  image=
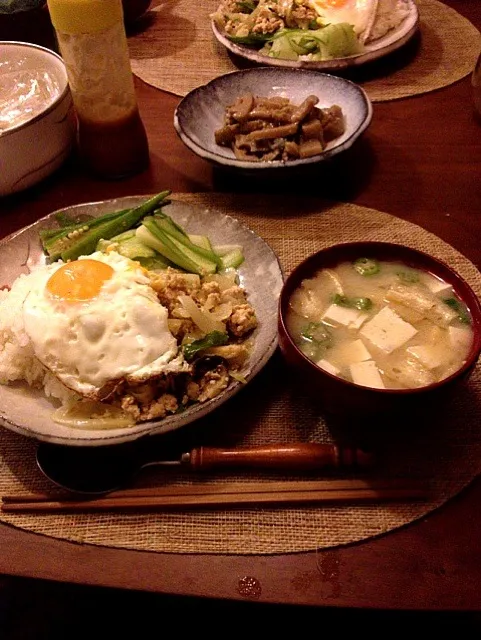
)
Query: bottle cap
[{"x": 84, "y": 16}]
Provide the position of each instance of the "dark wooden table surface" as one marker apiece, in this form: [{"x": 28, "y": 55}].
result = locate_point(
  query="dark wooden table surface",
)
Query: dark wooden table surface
[{"x": 421, "y": 161}]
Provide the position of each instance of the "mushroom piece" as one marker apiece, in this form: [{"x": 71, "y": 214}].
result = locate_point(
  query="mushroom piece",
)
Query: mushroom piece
[
  {"x": 304, "y": 109},
  {"x": 310, "y": 148},
  {"x": 275, "y": 129},
  {"x": 242, "y": 106}
]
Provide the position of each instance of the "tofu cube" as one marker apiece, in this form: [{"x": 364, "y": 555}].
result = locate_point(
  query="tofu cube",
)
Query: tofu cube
[
  {"x": 327, "y": 366},
  {"x": 460, "y": 338},
  {"x": 351, "y": 318},
  {"x": 387, "y": 331},
  {"x": 431, "y": 356},
  {"x": 366, "y": 374},
  {"x": 435, "y": 285},
  {"x": 355, "y": 351}
]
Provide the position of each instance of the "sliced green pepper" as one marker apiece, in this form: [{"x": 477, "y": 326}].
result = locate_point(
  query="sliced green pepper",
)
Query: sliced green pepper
[
  {"x": 315, "y": 339},
  {"x": 212, "y": 339},
  {"x": 363, "y": 304},
  {"x": 367, "y": 266},
  {"x": 251, "y": 39}
]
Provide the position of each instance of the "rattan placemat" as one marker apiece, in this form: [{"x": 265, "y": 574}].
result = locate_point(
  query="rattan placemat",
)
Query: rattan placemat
[
  {"x": 176, "y": 51},
  {"x": 446, "y": 450}
]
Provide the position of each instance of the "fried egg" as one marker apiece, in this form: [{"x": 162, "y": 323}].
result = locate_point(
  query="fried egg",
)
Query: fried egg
[
  {"x": 95, "y": 321},
  {"x": 358, "y": 13}
]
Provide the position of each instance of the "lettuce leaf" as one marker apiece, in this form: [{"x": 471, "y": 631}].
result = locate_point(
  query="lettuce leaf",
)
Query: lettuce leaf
[{"x": 331, "y": 41}]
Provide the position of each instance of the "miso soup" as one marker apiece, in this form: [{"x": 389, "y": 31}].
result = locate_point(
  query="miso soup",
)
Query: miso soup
[{"x": 381, "y": 324}]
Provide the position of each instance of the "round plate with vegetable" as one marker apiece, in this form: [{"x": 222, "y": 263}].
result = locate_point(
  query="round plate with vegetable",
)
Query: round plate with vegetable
[
  {"x": 130, "y": 317},
  {"x": 326, "y": 35}
]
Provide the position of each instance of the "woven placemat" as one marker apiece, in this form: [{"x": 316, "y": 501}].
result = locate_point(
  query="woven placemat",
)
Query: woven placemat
[
  {"x": 176, "y": 51},
  {"x": 446, "y": 449}
]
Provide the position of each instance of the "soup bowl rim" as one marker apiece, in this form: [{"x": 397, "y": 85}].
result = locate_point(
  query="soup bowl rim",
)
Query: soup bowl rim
[{"x": 315, "y": 262}]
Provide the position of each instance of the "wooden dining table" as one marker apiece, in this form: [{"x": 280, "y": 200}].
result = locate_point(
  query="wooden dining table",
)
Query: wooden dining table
[{"x": 420, "y": 160}]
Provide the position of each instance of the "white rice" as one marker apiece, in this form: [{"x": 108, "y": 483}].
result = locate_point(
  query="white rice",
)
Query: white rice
[{"x": 17, "y": 358}]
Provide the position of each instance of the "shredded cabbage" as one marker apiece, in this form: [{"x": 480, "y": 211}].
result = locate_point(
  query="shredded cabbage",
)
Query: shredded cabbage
[
  {"x": 87, "y": 414},
  {"x": 331, "y": 41}
]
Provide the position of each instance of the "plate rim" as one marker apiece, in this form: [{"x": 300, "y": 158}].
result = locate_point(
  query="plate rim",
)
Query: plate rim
[
  {"x": 372, "y": 51},
  {"x": 175, "y": 421}
]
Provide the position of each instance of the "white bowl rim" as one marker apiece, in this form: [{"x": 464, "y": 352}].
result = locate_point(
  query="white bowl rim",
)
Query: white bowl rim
[{"x": 50, "y": 107}]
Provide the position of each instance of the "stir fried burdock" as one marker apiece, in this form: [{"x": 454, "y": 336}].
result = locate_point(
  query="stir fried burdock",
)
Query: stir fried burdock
[{"x": 265, "y": 129}]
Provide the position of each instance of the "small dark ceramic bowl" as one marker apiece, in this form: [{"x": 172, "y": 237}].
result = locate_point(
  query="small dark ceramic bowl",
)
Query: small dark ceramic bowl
[
  {"x": 202, "y": 112},
  {"x": 341, "y": 398}
]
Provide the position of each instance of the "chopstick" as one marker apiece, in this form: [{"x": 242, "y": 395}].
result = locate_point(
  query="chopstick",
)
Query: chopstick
[{"x": 225, "y": 495}]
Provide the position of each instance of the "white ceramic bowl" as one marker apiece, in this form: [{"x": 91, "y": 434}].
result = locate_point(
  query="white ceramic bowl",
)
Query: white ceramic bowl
[
  {"x": 32, "y": 150},
  {"x": 202, "y": 111}
]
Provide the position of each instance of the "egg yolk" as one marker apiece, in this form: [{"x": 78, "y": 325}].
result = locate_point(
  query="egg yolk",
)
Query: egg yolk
[
  {"x": 331, "y": 4},
  {"x": 79, "y": 280}
]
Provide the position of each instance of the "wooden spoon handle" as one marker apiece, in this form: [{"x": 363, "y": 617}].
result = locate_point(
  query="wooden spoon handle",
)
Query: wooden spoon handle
[{"x": 298, "y": 456}]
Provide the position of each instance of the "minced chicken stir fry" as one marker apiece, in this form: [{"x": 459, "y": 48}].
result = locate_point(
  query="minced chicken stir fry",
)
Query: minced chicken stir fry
[
  {"x": 267, "y": 16},
  {"x": 267, "y": 129},
  {"x": 209, "y": 372}
]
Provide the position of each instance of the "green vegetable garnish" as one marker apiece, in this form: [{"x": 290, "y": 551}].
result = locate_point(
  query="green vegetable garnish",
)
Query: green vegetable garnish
[
  {"x": 235, "y": 375},
  {"x": 63, "y": 219},
  {"x": 174, "y": 249},
  {"x": 252, "y": 39},
  {"x": 50, "y": 236},
  {"x": 212, "y": 339},
  {"x": 362, "y": 304},
  {"x": 460, "y": 308},
  {"x": 246, "y": 5},
  {"x": 331, "y": 41},
  {"x": 409, "y": 276},
  {"x": 83, "y": 239},
  {"x": 317, "y": 332},
  {"x": 175, "y": 231},
  {"x": 315, "y": 339},
  {"x": 367, "y": 266}
]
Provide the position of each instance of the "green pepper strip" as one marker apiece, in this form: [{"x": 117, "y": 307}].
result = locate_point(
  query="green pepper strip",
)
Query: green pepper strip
[{"x": 367, "y": 266}]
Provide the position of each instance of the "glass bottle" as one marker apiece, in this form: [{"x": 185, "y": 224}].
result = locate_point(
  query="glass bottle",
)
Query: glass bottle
[{"x": 92, "y": 41}]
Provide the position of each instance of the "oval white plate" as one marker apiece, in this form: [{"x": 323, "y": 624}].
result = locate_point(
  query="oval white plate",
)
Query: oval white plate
[
  {"x": 202, "y": 111},
  {"x": 393, "y": 40},
  {"x": 29, "y": 413}
]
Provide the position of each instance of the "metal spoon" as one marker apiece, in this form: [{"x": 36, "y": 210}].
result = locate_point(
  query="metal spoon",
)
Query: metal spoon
[{"x": 99, "y": 470}]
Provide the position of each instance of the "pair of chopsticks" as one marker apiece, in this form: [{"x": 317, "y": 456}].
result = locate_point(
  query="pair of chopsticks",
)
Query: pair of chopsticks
[{"x": 198, "y": 496}]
